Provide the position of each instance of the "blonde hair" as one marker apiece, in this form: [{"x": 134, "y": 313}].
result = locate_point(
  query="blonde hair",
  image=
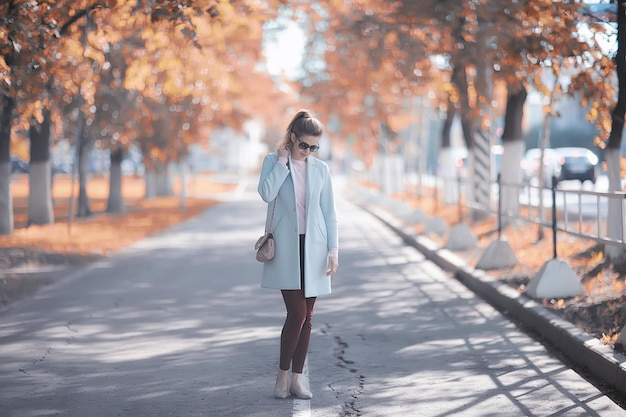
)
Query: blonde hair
[{"x": 304, "y": 123}]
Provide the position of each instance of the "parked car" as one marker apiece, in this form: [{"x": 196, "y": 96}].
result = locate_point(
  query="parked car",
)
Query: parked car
[
  {"x": 18, "y": 166},
  {"x": 577, "y": 164},
  {"x": 530, "y": 166},
  {"x": 58, "y": 168}
]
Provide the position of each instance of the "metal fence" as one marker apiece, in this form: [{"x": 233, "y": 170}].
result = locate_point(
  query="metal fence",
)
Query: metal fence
[{"x": 578, "y": 212}]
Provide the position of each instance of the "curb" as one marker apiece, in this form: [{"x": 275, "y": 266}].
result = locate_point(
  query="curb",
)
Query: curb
[{"x": 579, "y": 347}]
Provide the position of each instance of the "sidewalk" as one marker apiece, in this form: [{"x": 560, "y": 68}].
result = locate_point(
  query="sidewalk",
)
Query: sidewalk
[
  {"x": 419, "y": 343},
  {"x": 177, "y": 325},
  {"x": 585, "y": 351}
]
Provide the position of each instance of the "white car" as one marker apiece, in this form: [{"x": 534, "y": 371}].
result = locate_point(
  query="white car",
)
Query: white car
[{"x": 530, "y": 166}]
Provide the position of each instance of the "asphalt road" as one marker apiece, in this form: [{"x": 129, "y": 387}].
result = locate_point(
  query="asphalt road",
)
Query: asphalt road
[{"x": 177, "y": 325}]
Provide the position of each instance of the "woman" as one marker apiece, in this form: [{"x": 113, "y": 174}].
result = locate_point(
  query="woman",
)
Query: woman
[{"x": 301, "y": 210}]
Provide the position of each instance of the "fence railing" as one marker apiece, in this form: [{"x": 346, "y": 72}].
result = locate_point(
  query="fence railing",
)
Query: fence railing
[{"x": 578, "y": 212}]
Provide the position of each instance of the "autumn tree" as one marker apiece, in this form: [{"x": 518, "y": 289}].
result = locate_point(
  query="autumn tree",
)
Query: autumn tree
[
  {"x": 479, "y": 45},
  {"x": 502, "y": 46},
  {"x": 615, "y": 218},
  {"x": 40, "y": 101},
  {"x": 86, "y": 74},
  {"x": 15, "y": 27},
  {"x": 365, "y": 68},
  {"x": 30, "y": 31},
  {"x": 539, "y": 50},
  {"x": 199, "y": 80}
]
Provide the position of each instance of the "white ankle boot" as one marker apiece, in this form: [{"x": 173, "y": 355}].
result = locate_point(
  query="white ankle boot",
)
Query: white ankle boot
[
  {"x": 281, "y": 389},
  {"x": 298, "y": 389}
]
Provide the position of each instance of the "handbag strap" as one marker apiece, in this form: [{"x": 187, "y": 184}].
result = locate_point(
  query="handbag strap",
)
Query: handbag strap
[{"x": 268, "y": 225}]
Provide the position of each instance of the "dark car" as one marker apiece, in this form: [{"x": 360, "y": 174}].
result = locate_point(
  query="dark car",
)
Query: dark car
[
  {"x": 18, "y": 166},
  {"x": 577, "y": 164}
]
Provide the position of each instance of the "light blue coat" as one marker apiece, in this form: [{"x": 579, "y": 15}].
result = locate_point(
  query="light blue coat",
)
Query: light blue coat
[{"x": 283, "y": 272}]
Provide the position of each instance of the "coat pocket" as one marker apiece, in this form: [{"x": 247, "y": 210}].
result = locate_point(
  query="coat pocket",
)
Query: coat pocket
[{"x": 321, "y": 228}]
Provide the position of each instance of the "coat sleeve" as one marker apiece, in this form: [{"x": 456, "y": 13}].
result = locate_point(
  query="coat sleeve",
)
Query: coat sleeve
[
  {"x": 272, "y": 177},
  {"x": 327, "y": 203}
]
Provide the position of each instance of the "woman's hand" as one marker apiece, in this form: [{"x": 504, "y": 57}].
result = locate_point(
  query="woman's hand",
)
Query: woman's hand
[
  {"x": 284, "y": 152},
  {"x": 333, "y": 264}
]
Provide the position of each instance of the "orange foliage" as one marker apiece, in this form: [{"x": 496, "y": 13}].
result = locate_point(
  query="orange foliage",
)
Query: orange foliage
[
  {"x": 104, "y": 233},
  {"x": 379, "y": 56}
]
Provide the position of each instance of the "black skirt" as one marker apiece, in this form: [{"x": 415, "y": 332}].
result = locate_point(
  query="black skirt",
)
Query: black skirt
[{"x": 302, "y": 262}]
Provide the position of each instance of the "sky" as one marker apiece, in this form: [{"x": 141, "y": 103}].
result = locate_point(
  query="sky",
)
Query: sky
[{"x": 284, "y": 48}]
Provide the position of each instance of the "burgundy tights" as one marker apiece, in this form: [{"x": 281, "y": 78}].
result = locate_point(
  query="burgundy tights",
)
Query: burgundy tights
[{"x": 294, "y": 339}]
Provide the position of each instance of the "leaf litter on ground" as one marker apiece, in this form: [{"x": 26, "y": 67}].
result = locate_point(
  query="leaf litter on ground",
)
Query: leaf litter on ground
[{"x": 26, "y": 256}]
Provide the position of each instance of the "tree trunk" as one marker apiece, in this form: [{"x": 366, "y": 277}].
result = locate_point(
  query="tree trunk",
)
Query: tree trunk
[
  {"x": 115, "y": 203},
  {"x": 459, "y": 78},
  {"x": 182, "y": 168},
  {"x": 40, "y": 210},
  {"x": 150, "y": 179},
  {"x": 83, "y": 157},
  {"x": 158, "y": 180},
  {"x": 616, "y": 214},
  {"x": 449, "y": 170},
  {"x": 6, "y": 199},
  {"x": 165, "y": 187},
  {"x": 478, "y": 146},
  {"x": 513, "y": 151},
  {"x": 543, "y": 181},
  {"x": 545, "y": 139},
  {"x": 615, "y": 218}
]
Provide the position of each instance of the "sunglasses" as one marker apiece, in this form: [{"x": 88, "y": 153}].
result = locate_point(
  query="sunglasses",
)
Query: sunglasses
[{"x": 303, "y": 145}]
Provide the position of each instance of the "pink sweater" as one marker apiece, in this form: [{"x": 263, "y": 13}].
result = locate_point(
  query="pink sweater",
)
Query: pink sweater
[{"x": 298, "y": 174}]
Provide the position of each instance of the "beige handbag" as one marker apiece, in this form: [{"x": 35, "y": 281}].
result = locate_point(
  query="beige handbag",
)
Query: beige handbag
[{"x": 265, "y": 245}]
